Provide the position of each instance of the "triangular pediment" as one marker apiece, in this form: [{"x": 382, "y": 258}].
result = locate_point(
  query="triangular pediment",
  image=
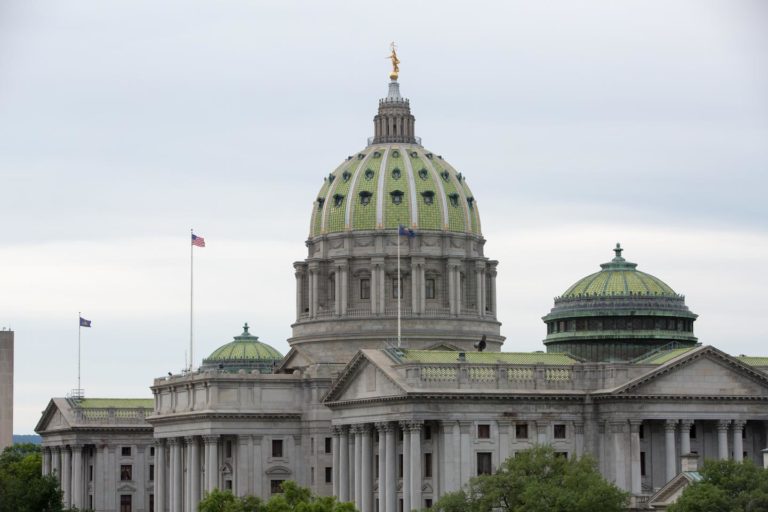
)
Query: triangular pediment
[
  {"x": 53, "y": 418},
  {"x": 705, "y": 372},
  {"x": 364, "y": 379},
  {"x": 293, "y": 360},
  {"x": 126, "y": 488}
]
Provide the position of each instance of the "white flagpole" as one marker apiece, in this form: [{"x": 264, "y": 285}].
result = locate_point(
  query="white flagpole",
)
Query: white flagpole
[
  {"x": 399, "y": 279},
  {"x": 79, "y": 329},
  {"x": 191, "y": 295}
]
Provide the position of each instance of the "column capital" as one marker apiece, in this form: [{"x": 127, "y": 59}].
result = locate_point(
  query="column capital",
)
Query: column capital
[
  {"x": 723, "y": 425},
  {"x": 578, "y": 427},
  {"x": 415, "y": 425},
  {"x": 76, "y": 446},
  {"x": 685, "y": 425},
  {"x": 465, "y": 426},
  {"x": 739, "y": 424},
  {"x": 173, "y": 441},
  {"x": 336, "y": 430},
  {"x": 670, "y": 425},
  {"x": 384, "y": 426},
  {"x": 211, "y": 439},
  {"x": 601, "y": 427},
  {"x": 56, "y": 449},
  {"x": 159, "y": 442},
  {"x": 189, "y": 439},
  {"x": 617, "y": 427},
  {"x": 634, "y": 426}
]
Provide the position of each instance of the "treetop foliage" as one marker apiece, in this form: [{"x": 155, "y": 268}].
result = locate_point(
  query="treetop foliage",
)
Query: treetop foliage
[
  {"x": 293, "y": 499},
  {"x": 726, "y": 486}
]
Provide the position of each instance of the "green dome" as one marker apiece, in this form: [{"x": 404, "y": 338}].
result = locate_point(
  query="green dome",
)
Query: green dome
[
  {"x": 244, "y": 352},
  {"x": 388, "y": 185},
  {"x": 619, "y": 277}
]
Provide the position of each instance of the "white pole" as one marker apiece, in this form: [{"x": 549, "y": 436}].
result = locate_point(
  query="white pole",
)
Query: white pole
[
  {"x": 191, "y": 296},
  {"x": 398, "y": 287},
  {"x": 79, "y": 329}
]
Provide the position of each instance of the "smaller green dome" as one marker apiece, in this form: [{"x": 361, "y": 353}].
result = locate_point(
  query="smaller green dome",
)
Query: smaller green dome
[
  {"x": 619, "y": 277},
  {"x": 245, "y": 352}
]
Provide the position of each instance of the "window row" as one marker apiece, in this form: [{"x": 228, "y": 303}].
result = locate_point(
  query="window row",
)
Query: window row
[
  {"x": 641, "y": 323},
  {"x": 397, "y": 284},
  {"x": 428, "y": 196}
]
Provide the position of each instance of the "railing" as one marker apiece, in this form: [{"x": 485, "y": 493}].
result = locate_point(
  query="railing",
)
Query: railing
[
  {"x": 111, "y": 415},
  {"x": 391, "y": 312},
  {"x": 501, "y": 376}
]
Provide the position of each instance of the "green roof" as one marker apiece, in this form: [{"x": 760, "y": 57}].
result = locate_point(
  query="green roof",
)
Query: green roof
[
  {"x": 754, "y": 360},
  {"x": 245, "y": 347},
  {"x": 445, "y": 356},
  {"x": 386, "y": 185},
  {"x": 117, "y": 403},
  {"x": 619, "y": 277},
  {"x": 663, "y": 356}
]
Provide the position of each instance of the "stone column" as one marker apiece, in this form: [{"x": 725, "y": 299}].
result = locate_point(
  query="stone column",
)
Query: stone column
[
  {"x": 381, "y": 428},
  {"x": 416, "y": 472},
  {"x": 382, "y": 280},
  {"x": 451, "y": 288},
  {"x": 541, "y": 432},
  {"x": 186, "y": 452},
  {"x": 358, "y": 433},
  {"x": 46, "y": 461},
  {"x": 335, "y": 454},
  {"x": 669, "y": 443},
  {"x": 195, "y": 482},
  {"x": 406, "y": 487},
  {"x": 211, "y": 462},
  {"x": 57, "y": 464},
  {"x": 99, "y": 477},
  {"x": 493, "y": 288},
  {"x": 299, "y": 273},
  {"x": 343, "y": 464},
  {"x": 617, "y": 429},
  {"x": 313, "y": 289},
  {"x": 258, "y": 466},
  {"x": 422, "y": 289},
  {"x": 722, "y": 439},
  {"x": 160, "y": 476},
  {"x": 366, "y": 472},
  {"x": 66, "y": 476},
  {"x": 465, "y": 428},
  {"x": 685, "y": 436},
  {"x": 503, "y": 440},
  {"x": 77, "y": 476},
  {"x": 175, "y": 479},
  {"x": 343, "y": 279},
  {"x": 244, "y": 473},
  {"x": 578, "y": 441},
  {"x": 451, "y": 459},
  {"x": 634, "y": 456},
  {"x": 390, "y": 469},
  {"x": 479, "y": 265},
  {"x": 738, "y": 442},
  {"x": 337, "y": 290}
]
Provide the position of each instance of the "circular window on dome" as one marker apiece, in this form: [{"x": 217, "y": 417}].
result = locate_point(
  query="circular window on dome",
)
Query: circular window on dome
[
  {"x": 369, "y": 174},
  {"x": 346, "y": 175},
  {"x": 445, "y": 175},
  {"x": 423, "y": 174},
  {"x": 429, "y": 155},
  {"x": 395, "y": 173},
  {"x": 338, "y": 199},
  {"x": 395, "y": 154},
  {"x": 360, "y": 156},
  {"x": 414, "y": 154},
  {"x": 365, "y": 197},
  {"x": 429, "y": 197},
  {"x": 454, "y": 198},
  {"x": 376, "y": 154},
  {"x": 320, "y": 203},
  {"x": 397, "y": 196}
]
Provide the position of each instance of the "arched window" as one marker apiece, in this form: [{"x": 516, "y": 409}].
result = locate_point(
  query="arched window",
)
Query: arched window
[
  {"x": 423, "y": 174},
  {"x": 454, "y": 199},
  {"x": 395, "y": 173},
  {"x": 369, "y": 174},
  {"x": 397, "y": 196},
  {"x": 429, "y": 197},
  {"x": 365, "y": 197},
  {"x": 338, "y": 200}
]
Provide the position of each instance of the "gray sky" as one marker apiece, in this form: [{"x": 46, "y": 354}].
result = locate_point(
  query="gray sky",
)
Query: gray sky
[{"x": 577, "y": 124}]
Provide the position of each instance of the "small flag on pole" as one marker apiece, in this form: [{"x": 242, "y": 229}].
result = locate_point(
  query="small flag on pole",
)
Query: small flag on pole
[
  {"x": 404, "y": 231},
  {"x": 198, "y": 241},
  {"x": 84, "y": 322}
]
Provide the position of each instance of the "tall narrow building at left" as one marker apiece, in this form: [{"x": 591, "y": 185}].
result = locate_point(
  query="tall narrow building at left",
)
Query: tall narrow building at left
[{"x": 6, "y": 389}]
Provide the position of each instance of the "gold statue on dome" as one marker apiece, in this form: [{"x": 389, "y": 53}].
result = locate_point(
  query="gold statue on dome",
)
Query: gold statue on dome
[{"x": 395, "y": 62}]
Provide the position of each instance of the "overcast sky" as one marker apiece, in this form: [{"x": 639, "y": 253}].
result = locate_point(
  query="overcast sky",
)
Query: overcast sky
[{"x": 577, "y": 124}]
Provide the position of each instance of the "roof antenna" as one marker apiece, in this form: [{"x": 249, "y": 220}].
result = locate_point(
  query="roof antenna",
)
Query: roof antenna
[{"x": 480, "y": 345}]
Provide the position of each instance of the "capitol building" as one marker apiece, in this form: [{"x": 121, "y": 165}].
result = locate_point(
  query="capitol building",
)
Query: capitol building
[{"x": 396, "y": 390}]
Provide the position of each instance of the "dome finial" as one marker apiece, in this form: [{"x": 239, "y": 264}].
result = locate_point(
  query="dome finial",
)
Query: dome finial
[
  {"x": 245, "y": 328},
  {"x": 618, "y": 250},
  {"x": 395, "y": 62}
]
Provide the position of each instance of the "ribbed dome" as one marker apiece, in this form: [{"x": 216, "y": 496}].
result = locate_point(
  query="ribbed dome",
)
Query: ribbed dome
[
  {"x": 244, "y": 352},
  {"x": 619, "y": 277},
  {"x": 387, "y": 185}
]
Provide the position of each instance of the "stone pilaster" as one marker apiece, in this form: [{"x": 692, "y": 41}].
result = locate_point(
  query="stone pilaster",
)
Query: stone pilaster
[
  {"x": 336, "y": 432},
  {"x": 416, "y": 469},
  {"x": 381, "y": 429},
  {"x": 738, "y": 441},
  {"x": 343, "y": 464},
  {"x": 66, "y": 476},
  {"x": 685, "y": 436},
  {"x": 669, "y": 444},
  {"x": 406, "y": 487},
  {"x": 160, "y": 476},
  {"x": 722, "y": 439},
  {"x": 366, "y": 471},
  {"x": 78, "y": 486},
  {"x": 634, "y": 456}
]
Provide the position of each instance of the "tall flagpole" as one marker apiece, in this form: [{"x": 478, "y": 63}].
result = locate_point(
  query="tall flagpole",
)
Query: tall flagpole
[
  {"x": 79, "y": 329},
  {"x": 191, "y": 294},
  {"x": 399, "y": 291}
]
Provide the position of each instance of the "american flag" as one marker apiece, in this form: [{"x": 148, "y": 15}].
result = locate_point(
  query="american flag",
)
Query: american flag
[{"x": 198, "y": 240}]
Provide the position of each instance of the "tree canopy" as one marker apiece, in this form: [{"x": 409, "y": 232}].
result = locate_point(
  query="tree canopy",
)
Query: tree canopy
[
  {"x": 293, "y": 499},
  {"x": 726, "y": 486},
  {"x": 23, "y": 488},
  {"x": 538, "y": 480}
]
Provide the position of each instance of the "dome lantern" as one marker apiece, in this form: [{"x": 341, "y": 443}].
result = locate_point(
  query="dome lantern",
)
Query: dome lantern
[{"x": 244, "y": 352}]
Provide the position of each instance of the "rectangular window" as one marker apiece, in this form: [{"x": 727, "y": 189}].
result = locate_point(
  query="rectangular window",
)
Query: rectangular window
[
  {"x": 521, "y": 431},
  {"x": 642, "y": 463},
  {"x": 312, "y": 475},
  {"x": 228, "y": 485},
  {"x": 125, "y": 451},
  {"x": 429, "y": 288},
  {"x": 559, "y": 432},
  {"x": 328, "y": 445},
  {"x": 90, "y": 472},
  {"x": 151, "y": 503},
  {"x": 151, "y": 451},
  {"x": 126, "y": 472},
  {"x": 151, "y": 472},
  {"x": 328, "y": 475},
  {"x": 125, "y": 503},
  {"x": 365, "y": 289},
  {"x": 642, "y": 432},
  {"x": 228, "y": 449},
  {"x": 484, "y": 463},
  {"x": 427, "y": 432},
  {"x": 427, "y": 503},
  {"x": 693, "y": 431},
  {"x": 400, "y": 465},
  {"x": 394, "y": 288},
  {"x": 427, "y": 465},
  {"x": 276, "y": 486},
  {"x": 90, "y": 501},
  {"x": 376, "y": 466},
  {"x": 277, "y": 448},
  {"x": 311, "y": 445},
  {"x": 483, "y": 431}
]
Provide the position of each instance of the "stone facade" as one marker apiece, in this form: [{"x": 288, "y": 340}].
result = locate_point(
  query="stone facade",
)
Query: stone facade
[{"x": 6, "y": 389}]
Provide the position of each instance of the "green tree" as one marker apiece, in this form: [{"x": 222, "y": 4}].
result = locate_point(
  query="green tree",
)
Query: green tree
[
  {"x": 538, "y": 480},
  {"x": 293, "y": 499},
  {"x": 726, "y": 486},
  {"x": 23, "y": 488}
]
